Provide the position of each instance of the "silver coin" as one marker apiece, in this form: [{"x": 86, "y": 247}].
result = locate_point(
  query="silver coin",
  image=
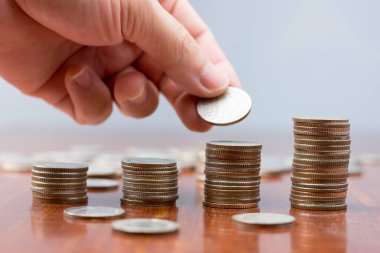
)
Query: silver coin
[
  {"x": 149, "y": 162},
  {"x": 264, "y": 219},
  {"x": 92, "y": 212},
  {"x": 101, "y": 183},
  {"x": 231, "y": 107},
  {"x": 59, "y": 165},
  {"x": 145, "y": 226}
]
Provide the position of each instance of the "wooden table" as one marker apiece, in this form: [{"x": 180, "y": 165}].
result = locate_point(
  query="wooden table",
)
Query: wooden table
[{"x": 29, "y": 227}]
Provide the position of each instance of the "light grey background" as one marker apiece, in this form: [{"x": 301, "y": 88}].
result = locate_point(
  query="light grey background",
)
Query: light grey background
[{"x": 307, "y": 58}]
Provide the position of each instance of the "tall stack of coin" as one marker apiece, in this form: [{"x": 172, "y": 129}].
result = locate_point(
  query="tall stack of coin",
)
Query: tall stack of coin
[
  {"x": 149, "y": 182},
  {"x": 60, "y": 183},
  {"x": 232, "y": 174},
  {"x": 320, "y": 164}
]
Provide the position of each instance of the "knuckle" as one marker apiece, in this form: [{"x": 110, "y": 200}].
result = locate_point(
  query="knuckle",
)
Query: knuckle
[{"x": 134, "y": 14}]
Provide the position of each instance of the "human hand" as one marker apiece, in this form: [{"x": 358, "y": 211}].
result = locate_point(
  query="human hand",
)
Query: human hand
[{"x": 81, "y": 55}]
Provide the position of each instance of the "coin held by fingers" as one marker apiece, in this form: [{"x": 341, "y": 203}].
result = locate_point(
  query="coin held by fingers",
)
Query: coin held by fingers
[{"x": 231, "y": 107}]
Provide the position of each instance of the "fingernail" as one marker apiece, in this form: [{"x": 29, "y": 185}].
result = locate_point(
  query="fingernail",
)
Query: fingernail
[
  {"x": 81, "y": 76},
  {"x": 140, "y": 98},
  {"x": 213, "y": 79}
]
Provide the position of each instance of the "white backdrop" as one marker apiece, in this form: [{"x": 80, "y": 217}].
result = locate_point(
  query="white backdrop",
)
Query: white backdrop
[{"x": 302, "y": 58}]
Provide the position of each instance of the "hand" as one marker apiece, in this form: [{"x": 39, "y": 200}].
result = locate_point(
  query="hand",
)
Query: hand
[{"x": 81, "y": 55}]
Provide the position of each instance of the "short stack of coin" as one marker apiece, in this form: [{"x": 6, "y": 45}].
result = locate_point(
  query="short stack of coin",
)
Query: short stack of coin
[
  {"x": 232, "y": 174},
  {"x": 149, "y": 182},
  {"x": 320, "y": 164},
  {"x": 59, "y": 183}
]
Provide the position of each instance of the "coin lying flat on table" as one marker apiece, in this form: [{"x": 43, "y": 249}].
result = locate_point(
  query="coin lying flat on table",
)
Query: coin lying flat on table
[
  {"x": 264, "y": 219},
  {"x": 101, "y": 183},
  {"x": 91, "y": 212},
  {"x": 231, "y": 107},
  {"x": 145, "y": 226}
]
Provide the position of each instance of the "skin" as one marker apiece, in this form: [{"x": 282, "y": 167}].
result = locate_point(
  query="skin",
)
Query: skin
[{"x": 81, "y": 56}]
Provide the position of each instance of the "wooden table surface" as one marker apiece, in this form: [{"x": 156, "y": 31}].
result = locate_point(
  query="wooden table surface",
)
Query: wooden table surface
[{"x": 29, "y": 227}]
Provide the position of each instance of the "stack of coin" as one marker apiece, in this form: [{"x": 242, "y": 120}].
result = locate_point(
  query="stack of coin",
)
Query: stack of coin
[
  {"x": 320, "y": 164},
  {"x": 232, "y": 174},
  {"x": 59, "y": 183},
  {"x": 149, "y": 182}
]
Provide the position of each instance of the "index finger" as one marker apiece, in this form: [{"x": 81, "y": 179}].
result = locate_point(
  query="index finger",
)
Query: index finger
[{"x": 184, "y": 13}]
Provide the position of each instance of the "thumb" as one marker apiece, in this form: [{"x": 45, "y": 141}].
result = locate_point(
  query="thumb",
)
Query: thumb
[{"x": 143, "y": 22}]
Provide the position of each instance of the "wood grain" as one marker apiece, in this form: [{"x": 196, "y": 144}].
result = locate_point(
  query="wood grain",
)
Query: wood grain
[{"x": 29, "y": 227}]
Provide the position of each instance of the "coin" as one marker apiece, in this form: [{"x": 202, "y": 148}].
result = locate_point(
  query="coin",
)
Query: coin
[
  {"x": 229, "y": 108},
  {"x": 101, "y": 183},
  {"x": 234, "y": 187},
  {"x": 232, "y": 170},
  {"x": 329, "y": 155},
  {"x": 93, "y": 212},
  {"x": 318, "y": 180},
  {"x": 318, "y": 190},
  {"x": 248, "y": 162},
  {"x": 149, "y": 162},
  {"x": 145, "y": 180},
  {"x": 232, "y": 156},
  {"x": 320, "y": 163},
  {"x": 238, "y": 146},
  {"x": 355, "y": 169},
  {"x": 60, "y": 185},
  {"x": 233, "y": 148},
  {"x": 136, "y": 202},
  {"x": 327, "y": 141},
  {"x": 60, "y": 167},
  {"x": 322, "y": 137},
  {"x": 150, "y": 172},
  {"x": 59, "y": 195},
  {"x": 229, "y": 183},
  {"x": 145, "y": 226},
  {"x": 322, "y": 129},
  {"x": 319, "y": 175},
  {"x": 264, "y": 219},
  {"x": 58, "y": 180},
  {"x": 230, "y": 206},
  {"x": 320, "y": 120},
  {"x": 15, "y": 162},
  {"x": 58, "y": 175},
  {"x": 319, "y": 207},
  {"x": 321, "y": 148},
  {"x": 231, "y": 164},
  {"x": 61, "y": 201}
]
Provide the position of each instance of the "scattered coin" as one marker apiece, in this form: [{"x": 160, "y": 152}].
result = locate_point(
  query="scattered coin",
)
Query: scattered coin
[
  {"x": 15, "y": 162},
  {"x": 93, "y": 212},
  {"x": 231, "y": 107},
  {"x": 275, "y": 164},
  {"x": 102, "y": 171},
  {"x": 101, "y": 183},
  {"x": 355, "y": 169},
  {"x": 320, "y": 163},
  {"x": 369, "y": 159},
  {"x": 145, "y": 226},
  {"x": 264, "y": 219}
]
